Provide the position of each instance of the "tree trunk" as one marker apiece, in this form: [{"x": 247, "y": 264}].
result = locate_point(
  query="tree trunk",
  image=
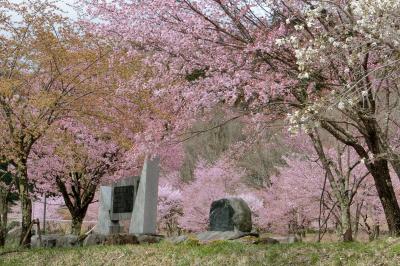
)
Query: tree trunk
[
  {"x": 357, "y": 219},
  {"x": 378, "y": 167},
  {"x": 26, "y": 205},
  {"x": 76, "y": 225},
  {"x": 395, "y": 163},
  {"x": 3, "y": 218},
  {"x": 77, "y": 201},
  {"x": 347, "y": 234},
  {"x": 3, "y": 235},
  {"x": 387, "y": 196}
]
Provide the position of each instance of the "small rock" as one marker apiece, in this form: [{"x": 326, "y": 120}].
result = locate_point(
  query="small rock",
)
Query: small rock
[{"x": 225, "y": 235}]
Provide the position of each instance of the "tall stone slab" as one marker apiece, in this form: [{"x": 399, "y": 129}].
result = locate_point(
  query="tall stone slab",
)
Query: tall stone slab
[
  {"x": 144, "y": 215},
  {"x": 104, "y": 220}
]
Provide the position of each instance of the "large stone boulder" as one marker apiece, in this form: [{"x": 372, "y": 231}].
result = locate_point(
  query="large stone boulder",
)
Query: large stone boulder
[{"x": 230, "y": 214}]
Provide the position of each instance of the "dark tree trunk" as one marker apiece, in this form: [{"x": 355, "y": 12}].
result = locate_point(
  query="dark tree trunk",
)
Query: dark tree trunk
[
  {"x": 77, "y": 202},
  {"x": 378, "y": 167},
  {"x": 387, "y": 196},
  {"x": 26, "y": 205},
  {"x": 3, "y": 218},
  {"x": 26, "y": 208},
  {"x": 3, "y": 235},
  {"x": 77, "y": 221}
]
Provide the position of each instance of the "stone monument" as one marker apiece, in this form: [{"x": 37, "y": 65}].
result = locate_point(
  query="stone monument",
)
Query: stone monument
[
  {"x": 116, "y": 204},
  {"x": 231, "y": 214},
  {"x": 230, "y": 219},
  {"x": 134, "y": 199}
]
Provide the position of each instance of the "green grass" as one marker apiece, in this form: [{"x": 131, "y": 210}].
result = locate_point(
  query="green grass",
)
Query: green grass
[{"x": 383, "y": 252}]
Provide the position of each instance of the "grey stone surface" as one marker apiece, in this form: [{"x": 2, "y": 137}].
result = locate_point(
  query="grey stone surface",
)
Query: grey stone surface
[
  {"x": 47, "y": 241},
  {"x": 15, "y": 232},
  {"x": 68, "y": 241},
  {"x": 230, "y": 214},
  {"x": 94, "y": 239},
  {"x": 51, "y": 241},
  {"x": 104, "y": 223},
  {"x": 144, "y": 215},
  {"x": 221, "y": 235}
]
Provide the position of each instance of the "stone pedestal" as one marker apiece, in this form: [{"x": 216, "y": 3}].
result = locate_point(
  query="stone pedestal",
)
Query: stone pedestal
[
  {"x": 115, "y": 228},
  {"x": 144, "y": 215}
]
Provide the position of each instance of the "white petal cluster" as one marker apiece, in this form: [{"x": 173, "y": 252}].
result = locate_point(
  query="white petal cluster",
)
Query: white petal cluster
[
  {"x": 378, "y": 20},
  {"x": 304, "y": 120}
]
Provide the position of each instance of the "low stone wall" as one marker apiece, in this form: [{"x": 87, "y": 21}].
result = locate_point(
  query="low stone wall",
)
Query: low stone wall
[{"x": 51, "y": 241}]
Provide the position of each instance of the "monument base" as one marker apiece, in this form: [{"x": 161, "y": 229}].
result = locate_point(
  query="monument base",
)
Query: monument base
[{"x": 115, "y": 228}]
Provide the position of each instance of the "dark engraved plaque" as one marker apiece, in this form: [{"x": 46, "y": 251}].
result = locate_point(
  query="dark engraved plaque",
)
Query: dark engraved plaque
[
  {"x": 123, "y": 199},
  {"x": 221, "y": 214}
]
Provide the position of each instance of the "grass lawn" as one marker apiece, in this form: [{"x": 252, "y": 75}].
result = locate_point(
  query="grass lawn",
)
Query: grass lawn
[{"x": 382, "y": 252}]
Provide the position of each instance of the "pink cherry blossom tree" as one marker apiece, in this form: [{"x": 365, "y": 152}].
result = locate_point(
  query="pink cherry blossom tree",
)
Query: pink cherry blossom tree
[
  {"x": 49, "y": 68},
  {"x": 338, "y": 191},
  {"x": 73, "y": 163},
  {"x": 169, "y": 208}
]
